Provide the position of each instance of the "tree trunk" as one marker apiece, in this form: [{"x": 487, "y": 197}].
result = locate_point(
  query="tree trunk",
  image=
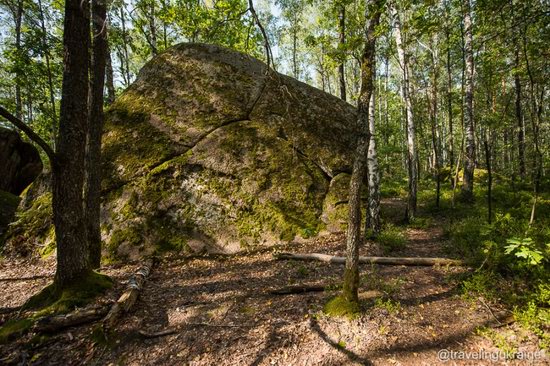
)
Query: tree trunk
[
  {"x": 519, "y": 117},
  {"x": 351, "y": 272},
  {"x": 125, "y": 46},
  {"x": 68, "y": 171},
  {"x": 95, "y": 130},
  {"x": 536, "y": 118},
  {"x": 450, "y": 103},
  {"x": 109, "y": 78},
  {"x": 49, "y": 72},
  {"x": 164, "y": 25},
  {"x": 295, "y": 47},
  {"x": 373, "y": 208},
  {"x": 433, "y": 118},
  {"x": 153, "y": 30},
  {"x": 489, "y": 177},
  {"x": 18, "y": 17},
  {"x": 341, "y": 70},
  {"x": 412, "y": 165},
  {"x": 469, "y": 158}
]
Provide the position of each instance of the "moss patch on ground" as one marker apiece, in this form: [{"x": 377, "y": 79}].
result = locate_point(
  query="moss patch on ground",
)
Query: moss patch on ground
[
  {"x": 54, "y": 300},
  {"x": 340, "y": 307},
  {"x": 14, "y": 328}
]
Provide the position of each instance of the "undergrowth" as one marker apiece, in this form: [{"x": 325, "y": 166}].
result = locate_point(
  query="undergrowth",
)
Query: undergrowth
[{"x": 510, "y": 256}]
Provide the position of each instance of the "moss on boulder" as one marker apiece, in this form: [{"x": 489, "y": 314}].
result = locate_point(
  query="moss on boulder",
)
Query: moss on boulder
[
  {"x": 8, "y": 205},
  {"x": 206, "y": 150}
]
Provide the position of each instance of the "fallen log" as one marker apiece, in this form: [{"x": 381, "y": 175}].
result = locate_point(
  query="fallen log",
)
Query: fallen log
[
  {"x": 400, "y": 261},
  {"x": 55, "y": 323},
  {"x": 298, "y": 289},
  {"x": 129, "y": 297}
]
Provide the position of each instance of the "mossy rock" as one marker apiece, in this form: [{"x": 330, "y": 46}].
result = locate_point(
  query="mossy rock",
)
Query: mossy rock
[
  {"x": 335, "y": 208},
  {"x": 32, "y": 227},
  {"x": 208, "y": 150},
  {"x": 8, "y": 205}
]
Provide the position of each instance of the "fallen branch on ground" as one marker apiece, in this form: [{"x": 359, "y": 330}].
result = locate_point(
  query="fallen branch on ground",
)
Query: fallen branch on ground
[
  {"x": 55, "y": 323},
  {"x": 299, "y": 289},
  {"x": 403, "y": 261},
  {"x": 30, "y": 278},
  {"x": 129, "y": 297}
]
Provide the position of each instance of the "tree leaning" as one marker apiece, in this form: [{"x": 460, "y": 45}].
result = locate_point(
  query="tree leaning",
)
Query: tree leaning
[{"x": 351, "y": 274}]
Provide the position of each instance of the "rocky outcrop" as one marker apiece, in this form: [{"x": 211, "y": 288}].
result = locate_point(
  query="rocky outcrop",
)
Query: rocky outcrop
[
  {"x": 20, "y": 164},
  {"x": 208, "y": 149},
  {"x": 19, "y": 161}
]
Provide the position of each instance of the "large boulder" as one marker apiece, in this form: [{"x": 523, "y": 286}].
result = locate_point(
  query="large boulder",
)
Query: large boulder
[
  {"x": 207, "y": 149},
  {"x": 20, "y": 162}
]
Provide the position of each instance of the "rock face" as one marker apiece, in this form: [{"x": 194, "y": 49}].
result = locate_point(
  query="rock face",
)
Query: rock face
[
  {"x": 207, "y": 149},
  {"x": 20, "y": 162}
]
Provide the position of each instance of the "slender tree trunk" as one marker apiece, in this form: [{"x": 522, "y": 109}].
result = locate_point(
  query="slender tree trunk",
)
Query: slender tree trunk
[
  {"x": 489, "y": 177},
  {"x": 95, "y": 130},
  {"x": 68, "y": 172},
  {"x": 109, "y": 78},
  {"x": 125, "y": 45},
  {"x": 18, "y": 17},
  {"x": 519, "y": 117},
  {"x": 412, "y": 164},
  {"x": 49, "y": 71},
  {"x": 386, "y": 109},
  {"x": 469, "y": 158},
  {"x": 30, "y": 109},
  {"x": 450, "y": 104},
  {"x": 373, "y": 208},
  {"x": 295, "y": 49},
  {"x": 164, "y": 25},
  {"x": 341, "y": 70},
  {"x": 536, "y": 118},
  {"x": 153, "y": 30},
  {"x": 433, "y": 118},
  {"x": 353, "y": 239}
]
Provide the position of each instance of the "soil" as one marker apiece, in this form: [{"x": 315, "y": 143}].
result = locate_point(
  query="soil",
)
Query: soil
[{"x": 219, "y": 312}]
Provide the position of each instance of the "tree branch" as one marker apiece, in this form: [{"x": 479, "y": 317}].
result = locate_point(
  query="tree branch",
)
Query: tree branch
[
  {"x": 29, "y": 132},
  {"x": 269, "y": 55}
]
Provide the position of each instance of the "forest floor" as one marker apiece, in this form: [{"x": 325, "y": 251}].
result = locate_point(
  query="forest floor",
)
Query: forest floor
[{"x": 221, "y": 313}]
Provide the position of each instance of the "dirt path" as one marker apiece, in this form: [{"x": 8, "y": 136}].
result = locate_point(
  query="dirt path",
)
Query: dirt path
[{"x": 222, "y": 315}]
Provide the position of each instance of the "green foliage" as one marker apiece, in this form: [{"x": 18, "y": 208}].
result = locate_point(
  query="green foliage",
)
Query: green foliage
[
  {"x": 393, "y": 188},
  {"x": 391, "y": 238},
  {"x": 525, "y": 248},
  {"x": 391, "y": 306},
  {"x": 480, "y": 284},
  {"x": 420, "y": 223},
  {"x": 503, "y": 343},
  {"x": 510, "y": 256},
  {"x": 373, "y": 281}
]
